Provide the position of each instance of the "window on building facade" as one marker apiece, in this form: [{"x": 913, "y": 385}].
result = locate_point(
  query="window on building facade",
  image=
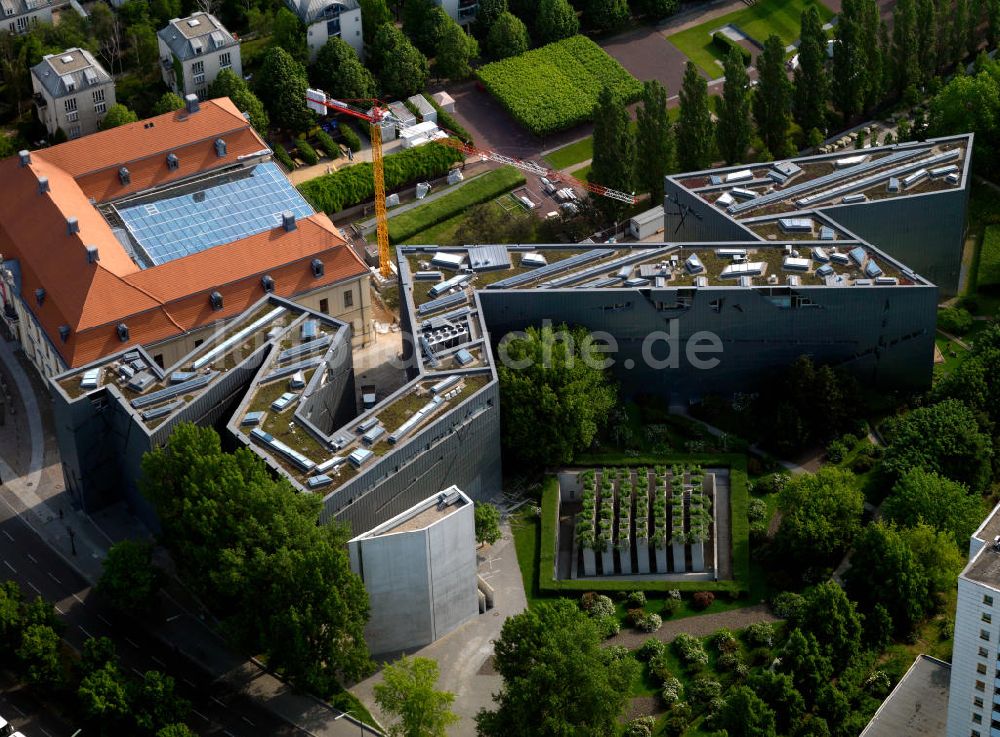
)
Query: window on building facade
[
  {"x": 101, "y": 108},
  {"x": 978, "y": 702},
  {"x": 74, "y": 131},
  {"x": 324, "y": 306},
  {"x": 98, "y": 96},
  {"x": 984, "y": 635},
  {"x": 981, "y": 669},
  {"x": 69, "y": 104},
  {"x": 980, "y": 686},
  {"x": 987, "y": 600},
  {"x": 983, "y": 652},
  {"x": 224, "y": 60},
  {"x": 977, "y": 718},
  {"x": 988, "y": 618}
]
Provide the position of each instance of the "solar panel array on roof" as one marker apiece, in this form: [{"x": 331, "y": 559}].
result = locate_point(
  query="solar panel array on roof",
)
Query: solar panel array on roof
[
  {"x": 445, "y": 260},
  {"x": 572, "y": 262},
  {"x": 175, "y": 390},
  {"x": 747, "y": 268},
  {"x": 796, "y": 264},
  {"x": 485, "y": 258},
  {"x": 795, "y": 225},
  {"x": 299, "y": 460},
  {"x": 872, "y": 269},
  {"x": 223, "y": 210},
  {"x": 826, "y": 233},
  {"x": 441, "y": 303},
  {"x": 304, "y": 349},
  {"x": 858, "y": 255},
  {"x": 455, "y": 281}
]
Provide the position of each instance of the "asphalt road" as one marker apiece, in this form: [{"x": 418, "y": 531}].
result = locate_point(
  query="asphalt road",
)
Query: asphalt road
[{"x": 216, "y": 709}]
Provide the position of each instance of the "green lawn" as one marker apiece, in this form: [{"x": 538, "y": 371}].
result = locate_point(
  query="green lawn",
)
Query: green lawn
[
  {"x": 573, "y": 153},
  {"x": 781, "y": 17}
]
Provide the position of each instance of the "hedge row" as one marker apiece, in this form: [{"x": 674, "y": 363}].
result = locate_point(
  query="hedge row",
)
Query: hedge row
[
  {"x": 354, "y": 184},
  {"x": 350, "y": 136},
  {"x": 556, "y": 86},
  {"x": 327, "y": 143},
  {"x": 306, "y": 152},
  {"x": 989, "y": 259},
  {"x": 739, "y": 500},
  {"x": 282, "y": 155},
  {"x": 724, "y": 43},
  {"x": 479, "y": 190}
]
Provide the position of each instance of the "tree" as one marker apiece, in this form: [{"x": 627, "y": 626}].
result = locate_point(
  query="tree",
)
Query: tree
[
  {"x": 487, "y": 523},
  {"x": 946, "y": 505},
  {"x": 129, "y": 579},
  {"x": 905, "y": 65},
  {"x": 605, "y": 15},
  {"x": 745, "y": 714},
  {"x": 803, "y": 660},
  {"x": 869, "y": 24},
  {"x": 374, "y": 13},
  {"x": 340, "y": 73},
  {"x": 772, "y": 98},
  {"x": 848, "y": 75},
  {"x": 959, "y": 44},
  {"x": 486, "y": 16},
  {"x": 885, "y": 571},
  {"x": 39, "y": 655},
  {"x": 555, "y": 21},
  {"x": 733, "y": 128},
  {"x": 228, "y": 84},
  {"x": 163, "y": 11},
  {"x": 145, "y": 49},
  {"x": 812, "y": 88},
  {"x": 11, "y": 615},
  {"x": 175, "y": 730},
  {"x": 778, "y": 692},
  {"x": 655, "y": 9},
  {"x": 820, "y": 515},
  {"x": 288, "y": 33},
  {"x": 103, "y": 695},
  {"x": 694, "y": 127},
  {"x": 155, "y": 703},
  {"x": 833, "y": 620},
  {"x": 167, "y": 103},
  {"x": 557, "y": 679},
  {"x": 118, "y": 115},
  {"x": 407, "y": 692},
  {"x": 508, "y": 36},
  {"x": 928, "y": 38},
  {"x": 944, "y": 438},
  {"x": 281, "y": 85},
  {"x": 551, "y": 379},
  {"x": 403, "y": 70},
  {"x": 654, "y": 141},
  {"x": 423, "y": 22},
  {"x": 970, "y": 103},
  {"x": 97, "y": 653},
  {"x": 614, "y": 150},
  {"x": 936, "y": 554},
  {"x": 251, "y": 547},
  {"x": 455, "y": 49}
]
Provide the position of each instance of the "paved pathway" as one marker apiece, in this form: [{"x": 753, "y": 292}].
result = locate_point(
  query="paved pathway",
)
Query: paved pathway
[{"x": 699, "y": 626}]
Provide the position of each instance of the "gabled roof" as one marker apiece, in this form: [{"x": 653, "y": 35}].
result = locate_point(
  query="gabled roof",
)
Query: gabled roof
[
  {"x": 195, "y": 35},
  {"x": 70, "y": 72},
  {"x": 64, "y": 182}
]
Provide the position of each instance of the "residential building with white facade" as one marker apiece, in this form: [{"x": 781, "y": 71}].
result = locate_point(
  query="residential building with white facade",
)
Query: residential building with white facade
[
  {"x": 194, "y": 50},
  {"x": 326, "y": 19},
  {"x": 462, "y": 12},
  {"x": 20, "y": 15},
  {"x": 72, "y": 92},
  {"x": 974, "y": 701}
]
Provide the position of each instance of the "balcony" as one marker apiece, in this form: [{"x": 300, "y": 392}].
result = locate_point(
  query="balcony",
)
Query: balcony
[{"x": 39, "y": 100}]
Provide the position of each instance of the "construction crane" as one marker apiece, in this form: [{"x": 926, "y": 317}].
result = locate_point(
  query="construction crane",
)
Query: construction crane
[{"x": 378, "y": 114}]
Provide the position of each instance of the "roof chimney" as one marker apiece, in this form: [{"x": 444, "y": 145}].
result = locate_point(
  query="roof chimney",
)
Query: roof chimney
[
  {"x": 64, "y": 332},
  {"x": 43, "y": 185},
  {"x": 25, "y": 156},
  {"x": 288, "y": 220},
  {"x": 317, "y": 268},
  {"x": 93, "y": 256},
  {"x": 124, "y": 176},
  {"x": 72, "y": 226},
  {"x": 191, "y": 102}
]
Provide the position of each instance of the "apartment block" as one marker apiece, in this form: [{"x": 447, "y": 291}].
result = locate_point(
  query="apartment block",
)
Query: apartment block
[
  {"x": 326, "y": 19},
  {"x": 462, "y": 12},
  {"x": 20, "y": 15},
  {"x": 72, "y": 92},
  {"x": 194, "y": 50}
]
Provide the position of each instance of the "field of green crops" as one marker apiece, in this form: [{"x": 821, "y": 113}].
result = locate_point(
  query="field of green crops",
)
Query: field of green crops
[{"x": 556, "y": 87}]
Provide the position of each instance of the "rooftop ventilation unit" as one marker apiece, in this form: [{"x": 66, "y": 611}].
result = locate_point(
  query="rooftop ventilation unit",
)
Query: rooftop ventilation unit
[
  {"x": 317, "y": 268},
  {"x": 693, "y": 264},
  {"x": 72, "y": 226},
  {"x": 64, "y": 332},
  {"x": 122, "y": 332},
  {"x": 24, "y": 156},
  {"x": 267, "y": 282},
  {"x": 220, "y": 147},
  {"x": 43, "y": 185},
  {"x": 66, "y": 59},
  {"x": 191, "y": 103},
  {"x": 193, "y": 22},
  {"x": 123, "y": 176},
  {"x": 288, "y": 220},
  {"x": 93, "y": 255},
  {"x": 172, "y": 161},
  {"x": 40, "y": 296},
  {"x": 215, "y": 299}
]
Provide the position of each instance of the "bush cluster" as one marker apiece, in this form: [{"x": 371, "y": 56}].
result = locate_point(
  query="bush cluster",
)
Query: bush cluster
[
  {"x": 282, "y": 155},
  {"x": 955, "y": 320},
  {"x": 724, "y": 44},
  {"x": 327, "y": 144},
  {"x": 350, "y": 136},
  {"x": 702, "y": 600},
  {"x": 354, "y": 184},
  {"x": 306, "y": 152},
  {"x": 650, "y": 623},
  {"x": 690, "y": 650},
  {"x": 759, "y": 634},
  {"x": 640, "y": 727},
  {"x": 671, "y": 691}
]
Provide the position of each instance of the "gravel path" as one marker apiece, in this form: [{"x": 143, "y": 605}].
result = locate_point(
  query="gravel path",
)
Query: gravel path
[{"x": 698, "y": 626}]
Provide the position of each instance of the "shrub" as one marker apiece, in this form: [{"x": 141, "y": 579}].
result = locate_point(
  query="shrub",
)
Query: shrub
[
  {"x": 282, "y": 155},
  {"x": 836, "y": 451},
  {"x": 690, "y": 650},
  {"x": 862, "y": 464},
  {"x": 674, "y": 594},
  {"x": 587, "y": 600},
  {"x": 788, "y": 605},
  {"x": 701, "y": 691},
  {"x": 725, "y": 641},
  {"x": 723, "y": 43},
  {"x": 636, "y": 599},
  {"x": 649, "y": 649},
  {"x": 327, "y": 144},
  {"x": 351, "y": 139},
  {"x": 989, "y": 259},
  {"x": 729, "y": 662},
  {"x": 555, "y": 87},
  {"x": 772, "y": 483},
  {"x": 635, "y": 617},
  {"x": 617, "y": 653},
  {"x": 640, "y": 727},
  {"x": 671, "y": 691},
  {"x": 954, "y": 320},
  {"x": 759, "y": 634},
  {"x": 351, "y": 185},
  {"x": 757, "y": 510},
  {"x": 600, "y": 606},
  {"x": 760, "y": 656},
  {"x": 671, "y": 607},
  {"x": 306, "y": 152},
  {"x": 658, "y": 666},
  {"x": 608, "y": 626},
  {"x": 702, "y": 600},
  {"x": 650, "y": 623}
]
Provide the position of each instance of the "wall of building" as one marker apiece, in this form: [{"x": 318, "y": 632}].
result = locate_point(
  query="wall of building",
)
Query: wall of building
[
  {"x": 460, "y": 11},
  {"x": 89, "y": 105},
  {"x": 967, "y": 656},
  {"x": 350, "y": 31},
  {"x": 702, "y": 221},
  {"x": 211, "y": 65},
  {"x": 451, "y": 547},
  {"x": 21, "y": 23},
  {"x": 885, "y": 335},
  {"x": 925, "y": 232}
]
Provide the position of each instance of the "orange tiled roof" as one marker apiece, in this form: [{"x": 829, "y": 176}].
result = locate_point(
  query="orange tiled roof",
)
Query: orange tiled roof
[{"x": 166, "y": 300}]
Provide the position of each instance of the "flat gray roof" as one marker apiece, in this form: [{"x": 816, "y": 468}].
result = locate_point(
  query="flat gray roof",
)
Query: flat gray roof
[
  {"x": 76, "y": 67},
  {"x": 193, "y": 36},
  {"x": 918, "y": 706}
]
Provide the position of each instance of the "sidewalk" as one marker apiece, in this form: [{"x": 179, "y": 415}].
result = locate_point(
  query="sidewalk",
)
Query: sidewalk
[{"x": 38, "y": 496}]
